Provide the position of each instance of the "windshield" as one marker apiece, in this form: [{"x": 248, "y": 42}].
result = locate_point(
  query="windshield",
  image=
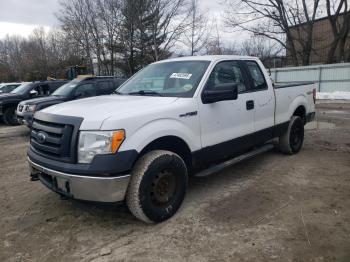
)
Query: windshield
[
  {"x": 23, "y": 88},
  {"x": 178, "y": 78},
  {"x": 67, "y": 88}
]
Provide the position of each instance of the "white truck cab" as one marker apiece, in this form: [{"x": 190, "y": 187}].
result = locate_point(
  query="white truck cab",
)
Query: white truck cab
[{"x": 168, "y": 121}]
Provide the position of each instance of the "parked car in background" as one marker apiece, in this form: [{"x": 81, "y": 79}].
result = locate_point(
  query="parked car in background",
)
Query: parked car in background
[
  {"x": 75, "y": 89},
  {"x": 170, "y": 120},
  {"x": 8, "y": 87},
  {"x": 25, "y": 91}
]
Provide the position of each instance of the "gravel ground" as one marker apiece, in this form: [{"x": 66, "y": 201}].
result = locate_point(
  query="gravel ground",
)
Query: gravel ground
[{"x": 270, "y": 208}]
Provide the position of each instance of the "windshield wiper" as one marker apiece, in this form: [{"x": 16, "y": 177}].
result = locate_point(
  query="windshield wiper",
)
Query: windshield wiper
[{"x": 145, "y": 93}]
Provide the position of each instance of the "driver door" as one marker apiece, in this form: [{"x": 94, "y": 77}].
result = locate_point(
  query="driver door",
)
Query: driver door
[{"x": 224, "y": 123}]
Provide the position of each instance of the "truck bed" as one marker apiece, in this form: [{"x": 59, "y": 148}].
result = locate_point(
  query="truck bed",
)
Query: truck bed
[
  {"x": 290, "y": 84},
  {"x": 289, "y": 95}
]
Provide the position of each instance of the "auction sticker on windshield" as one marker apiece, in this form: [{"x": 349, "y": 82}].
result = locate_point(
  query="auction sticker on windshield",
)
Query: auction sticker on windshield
[{"x": 181, "y": 75}]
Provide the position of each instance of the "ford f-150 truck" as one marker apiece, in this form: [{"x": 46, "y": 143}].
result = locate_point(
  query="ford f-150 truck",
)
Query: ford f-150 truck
[{"x": 175, "y": 118}]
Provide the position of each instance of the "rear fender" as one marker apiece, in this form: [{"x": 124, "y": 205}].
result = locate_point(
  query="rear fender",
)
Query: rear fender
[{"x": 300, "y": 100}]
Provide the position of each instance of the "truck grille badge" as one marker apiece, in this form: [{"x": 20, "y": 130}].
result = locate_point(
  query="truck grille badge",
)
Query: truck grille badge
[{"x": 41, "y": 137}]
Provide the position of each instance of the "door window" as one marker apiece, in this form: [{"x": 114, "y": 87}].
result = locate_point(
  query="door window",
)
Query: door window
[
  {"x": 105, "y": 87},
  {"x": 85, "y": 90},
  {"x": 257, "y": 75},
  {"x": 54, "y": 86},
  {"x": 8, "y": 88},
  {"x": 227, "y": 72},
  {"x": 42, "y": 90}
]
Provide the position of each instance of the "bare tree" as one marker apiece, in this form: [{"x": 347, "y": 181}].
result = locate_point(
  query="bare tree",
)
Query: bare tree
[
  {"x": 12, "y": 59},
  {"x": 214, "y": 45},
  {"x": 149, "y": 30},
  {"x": 109, "y": 12},
  {"x": 127, "y": 34},
  {"x": 277, "y": 20},
  {"x": 261, "y": 47},
  {"x": 72, "y": 17},
  {"x": 170, "y": 22},
  {"x": 36, "y": 57},
  {"x": 197, "y": 34},
  {"x": 338, "y": 13}
]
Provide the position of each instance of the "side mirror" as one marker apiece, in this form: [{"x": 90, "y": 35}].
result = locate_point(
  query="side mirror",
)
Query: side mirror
[
  {"x": 221, "y": 92},
  {"x": 33, "y": 93}
]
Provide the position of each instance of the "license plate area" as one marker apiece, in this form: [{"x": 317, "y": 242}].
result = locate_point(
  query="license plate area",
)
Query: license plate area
[{"x": 57, "y": 184}]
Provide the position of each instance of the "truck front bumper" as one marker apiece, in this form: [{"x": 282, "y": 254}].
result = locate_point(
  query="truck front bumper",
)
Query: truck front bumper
[
  {"x": 25, "y": 120},
  {"x": 89, "y": 188}
]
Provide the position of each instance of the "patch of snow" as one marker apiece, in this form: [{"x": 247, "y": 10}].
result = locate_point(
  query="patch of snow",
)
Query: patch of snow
[{"x": 333, "y": 96}]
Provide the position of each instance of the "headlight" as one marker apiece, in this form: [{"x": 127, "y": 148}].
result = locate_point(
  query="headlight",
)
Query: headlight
[
  {"x": 93, "y": 143},
  {"x": 30, "y": 108}
]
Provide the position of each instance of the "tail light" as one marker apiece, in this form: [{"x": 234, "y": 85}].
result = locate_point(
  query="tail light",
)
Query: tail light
[{"x": 314, "y": 95}]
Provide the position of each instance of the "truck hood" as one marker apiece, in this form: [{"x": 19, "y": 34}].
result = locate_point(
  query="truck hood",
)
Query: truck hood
[
  {"x": 95, "y": 110},
  {"x": 9, "y": 96},
  {"x": 45, "y": 99}
]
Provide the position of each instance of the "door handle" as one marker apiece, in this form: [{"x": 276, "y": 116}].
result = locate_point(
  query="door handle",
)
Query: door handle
[{"x": 250, "y": 104}]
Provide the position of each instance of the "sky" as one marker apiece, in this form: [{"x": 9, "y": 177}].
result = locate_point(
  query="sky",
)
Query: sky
[{"x": 20, "y": 17}]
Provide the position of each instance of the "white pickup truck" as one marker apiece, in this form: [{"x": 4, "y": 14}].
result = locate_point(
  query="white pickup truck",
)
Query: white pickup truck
[{"x": 173, "y": 119}]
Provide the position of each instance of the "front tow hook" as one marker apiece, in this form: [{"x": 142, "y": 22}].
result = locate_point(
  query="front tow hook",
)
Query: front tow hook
[{"x": 34, "y": 177}]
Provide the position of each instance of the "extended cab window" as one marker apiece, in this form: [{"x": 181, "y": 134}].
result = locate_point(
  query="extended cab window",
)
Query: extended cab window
[
  {"x": 257, "y": 75},
  {"x": 226, "y": 72},
  {"x": 85, "y": 90}
]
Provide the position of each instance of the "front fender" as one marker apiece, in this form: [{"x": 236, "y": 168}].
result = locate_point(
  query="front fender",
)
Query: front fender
[
  {"x": 8, "y": 104},
  {"x": 45, "y": 105},
  {"x": 159, "y": 128}
]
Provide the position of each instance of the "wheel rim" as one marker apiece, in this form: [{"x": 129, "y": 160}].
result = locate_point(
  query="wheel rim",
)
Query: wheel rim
[{"x": 163, "y": 188}]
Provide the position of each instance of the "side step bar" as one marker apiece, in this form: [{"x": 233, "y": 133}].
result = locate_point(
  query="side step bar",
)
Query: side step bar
[{"x": 216, "y": 168}]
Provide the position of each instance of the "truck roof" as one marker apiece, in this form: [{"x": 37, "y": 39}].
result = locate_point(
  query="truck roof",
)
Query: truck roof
[
  {"x": 10, "y": 83},
  {"x": 210, "y": 58}
]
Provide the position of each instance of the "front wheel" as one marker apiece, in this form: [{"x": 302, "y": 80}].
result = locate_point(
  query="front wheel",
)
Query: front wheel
[
  {"x": 10, "y": 117},
  {"x": 292, "y": 140},
  {"x": 157, "y": 186}
]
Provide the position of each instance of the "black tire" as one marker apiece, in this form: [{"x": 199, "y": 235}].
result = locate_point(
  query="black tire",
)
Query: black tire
[
  {"x": 157, "y": 186},
  {"x": 292, "y": 141},
  {"x": 10, "y": 117}
]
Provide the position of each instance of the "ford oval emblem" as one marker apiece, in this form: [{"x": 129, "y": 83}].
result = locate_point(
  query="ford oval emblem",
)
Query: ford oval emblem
[{"x": 41, "y": 137}]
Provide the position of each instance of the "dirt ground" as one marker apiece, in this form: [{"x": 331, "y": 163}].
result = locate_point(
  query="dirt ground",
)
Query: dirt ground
[{"x": 270, "y": 208}]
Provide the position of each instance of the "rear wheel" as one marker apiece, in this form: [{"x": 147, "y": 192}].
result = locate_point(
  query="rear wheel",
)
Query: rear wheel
[
  {"x": 292, "y": 141},
  {"x": 157, "y": 186},
  {"x": 10, "y": 117}
]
